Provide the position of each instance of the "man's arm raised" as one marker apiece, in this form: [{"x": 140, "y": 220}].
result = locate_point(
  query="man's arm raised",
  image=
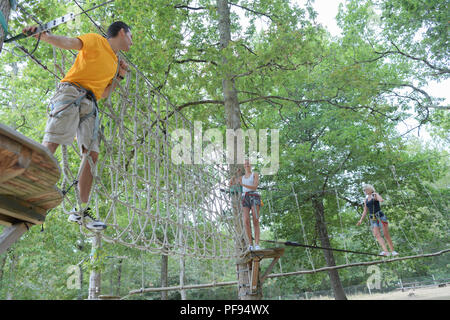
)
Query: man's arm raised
[{"x": 57, "y": 41}]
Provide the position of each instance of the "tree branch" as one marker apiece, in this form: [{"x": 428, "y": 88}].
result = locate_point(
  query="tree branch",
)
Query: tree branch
[
  {"x": 194, "y": 60},
  {"x": 182, "y": 6},
  {"x": 253, "y": 11}
]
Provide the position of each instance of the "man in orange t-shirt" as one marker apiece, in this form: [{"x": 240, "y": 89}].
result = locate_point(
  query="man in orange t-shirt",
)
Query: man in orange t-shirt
[{"x": 74, "y": 105}]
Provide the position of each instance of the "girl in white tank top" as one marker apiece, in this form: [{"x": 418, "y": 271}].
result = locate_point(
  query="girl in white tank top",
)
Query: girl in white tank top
[
  {"x": 251, "y": 201},
  {"x": 249, "y": 182}
]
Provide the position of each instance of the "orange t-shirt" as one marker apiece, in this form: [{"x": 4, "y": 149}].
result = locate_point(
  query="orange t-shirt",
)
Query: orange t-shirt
[{"x": 95, "y": 65}]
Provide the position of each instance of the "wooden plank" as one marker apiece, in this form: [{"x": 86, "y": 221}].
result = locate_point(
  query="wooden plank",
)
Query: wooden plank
[
  {"x": 11, "y": 235},
  {"x": 7, "y": 220},
  {"x": 29, "y": 143},
  {"x": 43, "y": 163},
  {"x": 48, "y": 200},
  {"x": 28, "y": 174},
  {"x": 21, "y": 210},
  {"x": 14, "y": 158},
  {"x": 260, "y": 254},
  {"x": 254, "y": 276}
]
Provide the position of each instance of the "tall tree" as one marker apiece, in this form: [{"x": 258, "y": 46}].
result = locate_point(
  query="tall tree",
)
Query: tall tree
[{"x": 5, "y": 9}]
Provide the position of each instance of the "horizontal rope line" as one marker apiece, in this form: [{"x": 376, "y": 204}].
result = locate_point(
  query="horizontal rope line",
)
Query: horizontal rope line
[{"x": 295, "y": 244}]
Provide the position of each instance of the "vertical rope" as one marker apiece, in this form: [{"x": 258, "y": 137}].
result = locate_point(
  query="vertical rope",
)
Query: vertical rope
[
  {"x": 404, "y": 204},
  {"x": 342, "y": 228},
  {"x": 303, "y": 227}
]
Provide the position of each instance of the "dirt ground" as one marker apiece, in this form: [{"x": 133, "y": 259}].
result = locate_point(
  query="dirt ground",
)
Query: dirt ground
[{"x": 431, "y": 293}]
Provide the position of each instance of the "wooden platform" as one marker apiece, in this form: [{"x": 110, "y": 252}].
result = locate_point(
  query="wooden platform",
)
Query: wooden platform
[
  {"x": 28, "y": 177},
  {"x": 253, "y": 258},
  {"x": 261, "y": 254}
]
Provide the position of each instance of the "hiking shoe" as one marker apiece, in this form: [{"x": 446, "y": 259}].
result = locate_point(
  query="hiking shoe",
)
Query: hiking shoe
[
  {"x": 250, "y": 248},
  {"x": 257, "y": 247},
  {"x": 384, "y": 253},
  {"x": 394, "y": 253},
  {"x": 89, "y": 219},
  {"x": 74, "y": 216}
]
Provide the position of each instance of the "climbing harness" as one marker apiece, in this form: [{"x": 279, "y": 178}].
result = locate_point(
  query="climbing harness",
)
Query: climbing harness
[
  {"x": 86, "y": 93},
  {"x": 375, "y": 216},
  {"x": 252, "y": 195}
]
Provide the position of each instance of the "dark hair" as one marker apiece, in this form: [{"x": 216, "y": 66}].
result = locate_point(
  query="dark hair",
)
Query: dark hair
[{"x": 115, "y": 27}]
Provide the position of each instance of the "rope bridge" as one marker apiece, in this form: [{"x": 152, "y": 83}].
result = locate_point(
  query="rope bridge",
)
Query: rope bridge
[{"x": 147, "y": 201}]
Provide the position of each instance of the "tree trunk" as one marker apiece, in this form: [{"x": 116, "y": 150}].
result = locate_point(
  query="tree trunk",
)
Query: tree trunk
[
  {"x": 5, "y": 8},
  {"x": 164, "y": 273},
  {"x": 95, "y": 277},
  {"x": 233, "y": 121},
  {"x": 336, "y": 284}
]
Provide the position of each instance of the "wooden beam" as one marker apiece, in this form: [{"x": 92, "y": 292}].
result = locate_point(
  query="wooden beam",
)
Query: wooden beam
[
  {"x": 7, "y": 220},
  {"x": 29, "y": 143},
  {"x": 269, "y": 269},
  {"x": 14, "y": 158},
  {"x": 254, "y": 277},
  {"x": 261, "y": 254},
  {"x": 232, "y": 283},
  {"x": 21, "y": 210},
  {"x": 11, "y": 235},
  {"x": 368, "y": 263}
]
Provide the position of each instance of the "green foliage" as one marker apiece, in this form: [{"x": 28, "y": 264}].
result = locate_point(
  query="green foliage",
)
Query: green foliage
[{"x": 336, "y": 102}]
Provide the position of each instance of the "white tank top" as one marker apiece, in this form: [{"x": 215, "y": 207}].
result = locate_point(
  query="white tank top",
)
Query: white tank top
[{"x": 249, "y": 182}]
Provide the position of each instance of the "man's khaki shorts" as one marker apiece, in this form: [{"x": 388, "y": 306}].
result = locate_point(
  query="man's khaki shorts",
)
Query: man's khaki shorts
[{"x": 64, "y": 120}]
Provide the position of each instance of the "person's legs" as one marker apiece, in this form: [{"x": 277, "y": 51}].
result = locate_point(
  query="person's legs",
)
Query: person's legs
[
  {"x": 85, "y": 180},
  {"x": 376, "y": 233},
  {"x": 247, "y": 226},
  {"x": 87, "y": 139},
  {"x": 387, "y": 235},
  {"x": 256, "y": 223}
]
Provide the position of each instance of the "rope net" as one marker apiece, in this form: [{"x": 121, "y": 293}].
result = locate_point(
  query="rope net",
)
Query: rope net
[{"x": 146, "y": 200}]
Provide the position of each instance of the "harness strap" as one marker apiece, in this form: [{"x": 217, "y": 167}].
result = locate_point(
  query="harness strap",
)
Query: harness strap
[
  {"x": 251, "y": 193},
  {"x": 94, "y": 112},
  {"x": 376, "y": 217}
]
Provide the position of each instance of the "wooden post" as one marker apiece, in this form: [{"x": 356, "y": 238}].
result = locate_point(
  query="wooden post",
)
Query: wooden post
[
  {"x": 252, "y": 260},
  {"x": 11, "y": 235},
  {"x": 95, "y": 277},
  {"x": 254, "y": 280}
]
